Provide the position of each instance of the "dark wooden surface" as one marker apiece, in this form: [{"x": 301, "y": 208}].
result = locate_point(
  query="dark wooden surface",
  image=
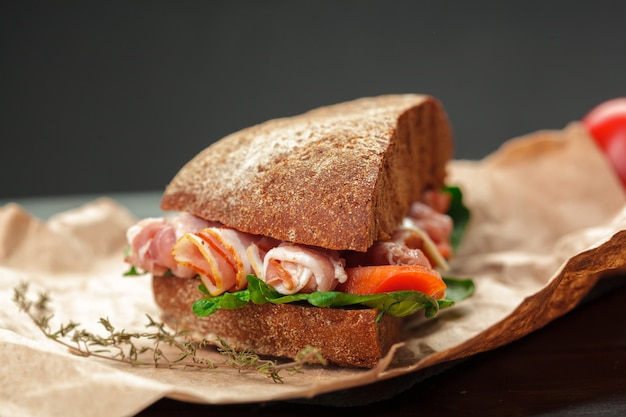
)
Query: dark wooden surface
[{"x": 575, "y": 366}]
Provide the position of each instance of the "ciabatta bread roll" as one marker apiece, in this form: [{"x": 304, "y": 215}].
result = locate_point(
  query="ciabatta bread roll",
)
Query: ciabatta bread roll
[
  {"x": 338, "y": 177},
  {"x": 301, "y": 203}
]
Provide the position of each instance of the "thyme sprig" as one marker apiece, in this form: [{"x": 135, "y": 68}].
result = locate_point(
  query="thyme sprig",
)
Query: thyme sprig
[{"x": 130, "y": 347}]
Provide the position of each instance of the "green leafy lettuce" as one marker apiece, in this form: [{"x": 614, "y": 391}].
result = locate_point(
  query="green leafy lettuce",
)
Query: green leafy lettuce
[{"x": 397, "y": 303}]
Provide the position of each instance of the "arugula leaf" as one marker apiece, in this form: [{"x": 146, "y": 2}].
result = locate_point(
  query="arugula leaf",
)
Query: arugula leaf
[
  {"x": 133, "y": 272},
  {"x": 397, "y": 303},
  {"x": 457, "y": 289},
  {"x": 228, "y": 300},
  {"x": 460, "y": 215}
]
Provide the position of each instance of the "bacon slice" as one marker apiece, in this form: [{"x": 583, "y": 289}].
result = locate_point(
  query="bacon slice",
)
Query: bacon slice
[
  {"x": 293, "y": 268},
  {"x": 256, "y": 253},
  {"x": 218, "y": 255}
]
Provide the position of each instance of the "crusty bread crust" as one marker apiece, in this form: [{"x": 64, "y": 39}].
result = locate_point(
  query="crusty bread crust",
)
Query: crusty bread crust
[
  {"x": 338, "y": 177},
  {"x": 345, "y": 337}
]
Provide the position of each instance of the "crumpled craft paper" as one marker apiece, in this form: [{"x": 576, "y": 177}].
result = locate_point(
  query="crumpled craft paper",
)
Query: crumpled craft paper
[{"x": 548, "y": 221}]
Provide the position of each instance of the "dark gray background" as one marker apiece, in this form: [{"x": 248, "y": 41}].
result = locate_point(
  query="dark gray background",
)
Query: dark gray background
[{"x": 101, "y": 97}]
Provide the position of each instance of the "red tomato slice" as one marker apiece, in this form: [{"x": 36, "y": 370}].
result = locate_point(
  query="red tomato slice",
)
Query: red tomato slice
[{"x": 606, "y": 124}]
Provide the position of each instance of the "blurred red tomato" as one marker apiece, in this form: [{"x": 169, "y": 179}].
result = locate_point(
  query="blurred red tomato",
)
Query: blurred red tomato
[{"x": 606, "y": 123}]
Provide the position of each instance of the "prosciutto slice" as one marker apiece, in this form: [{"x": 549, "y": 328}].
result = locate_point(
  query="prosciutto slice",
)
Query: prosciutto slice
[
  {"x": 293, "y": 268},
  {"x": 435, "y": 223},
  {"x": 396, "y": 252},
  {"x": 188, "y": 246},
  {"x": 151, "y": 240},
  {"x": 421, "y": 239}
]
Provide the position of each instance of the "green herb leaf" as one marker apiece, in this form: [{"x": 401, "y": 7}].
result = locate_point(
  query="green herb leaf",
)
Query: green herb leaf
[
  {"x": 460, "y": 215},
  {"x": 228, "y": 300},
  {"x": 133, "y": 272}
]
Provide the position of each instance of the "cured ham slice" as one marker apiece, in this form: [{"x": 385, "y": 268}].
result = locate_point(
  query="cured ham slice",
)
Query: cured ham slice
[
  {"x": 396, "y": 253},
  {"x": 436, "y": 224},
  {"x": 256, "y": 253},
  {"x": 151, "y": 240},
  {"x": 187, "y": 246},
  {"x": 218, "y": 255},
  {"x": 293, "y": 268},
  {"x": 421, "y": 239}
]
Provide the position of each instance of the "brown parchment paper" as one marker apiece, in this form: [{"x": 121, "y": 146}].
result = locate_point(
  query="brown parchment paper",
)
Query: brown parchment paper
[{"x": 548, "y": 221}]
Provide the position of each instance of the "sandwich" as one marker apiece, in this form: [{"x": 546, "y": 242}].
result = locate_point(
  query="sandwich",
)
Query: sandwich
[{"x": 323, "y": 230}]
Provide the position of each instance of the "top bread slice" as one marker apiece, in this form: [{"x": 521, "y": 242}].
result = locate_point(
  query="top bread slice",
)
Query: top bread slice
[{"x": 338, "y": 177}]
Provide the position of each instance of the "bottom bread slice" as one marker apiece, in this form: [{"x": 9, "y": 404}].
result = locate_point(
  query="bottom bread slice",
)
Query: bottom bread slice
[{"x": 345, "y": 337}]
